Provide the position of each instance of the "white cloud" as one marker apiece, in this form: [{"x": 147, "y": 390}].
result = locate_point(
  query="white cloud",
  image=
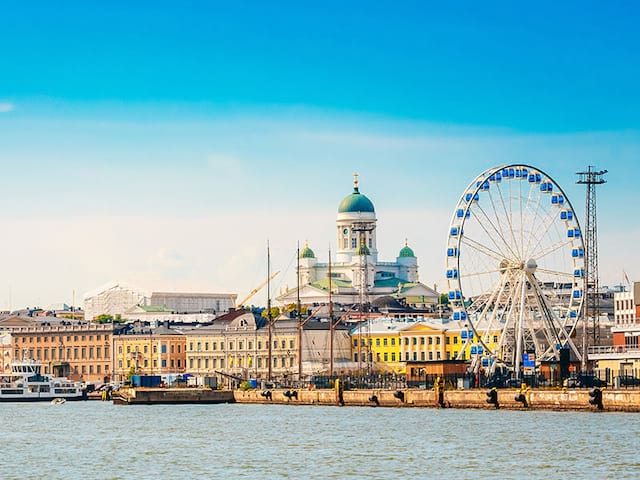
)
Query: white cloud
[{"x": 6, "y": 107}]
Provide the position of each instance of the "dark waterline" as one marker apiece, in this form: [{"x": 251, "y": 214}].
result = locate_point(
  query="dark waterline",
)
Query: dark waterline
[{"x": 101, "y": 441}]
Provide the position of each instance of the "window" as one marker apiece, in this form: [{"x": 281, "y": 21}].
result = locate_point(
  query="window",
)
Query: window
[
  {"x": 430, "y": 355},
  {"x": 98, "y": 337},
  {"x": 284, "y": 344},
  {"x": 384, "y": 342},
  {"x": 291, "y": 361},
  {"x": 206, "y": 363},
  {"x": 206, "y": 346},
  {"x": 179, "y": 348},
  {"x": 230, "y": 345},
  {"x": 191, "y": 346},
  {"x": 250, "y": 345},
  {"x": 240, "y": 345},
  {"x": 164, "y": 363},
  {"x": 455, "y": 340},
  {"x": 91, "y": 352},
  {"x": 106, "y": 351},
  {"x": 163, "y": 348},
  {"x": 406, "y": 340},
  {"x": 145, "y": 349},
  {"x": 377, "y": 342},
  {"x": 199, "y": 363},
  {"x": 191, "y": 363},
  {"x": 406, "y": 356},
  {"x": 214, "y": 346},
  {"x": 393, "y": 341},
  {"x": 386, "y": 357},
  {"x": 355, "y": 357},
  {"x": 146, "y": 363},
  {"x": 259, "y": 344},
  {"x": 75, "y": 353},
  {"x": 437, "y": 355},
  {"x": 393, "y": 356},
  {"x": 415, "y": 356},
  {"x": 275, "y": 361},
  {"x": 99, "y": 352},
  {"x": 91, "y": 338},
  {"x": 128, "y": 348},
  {"x": 84, "y": 352},
  {"x": 355, "y": 342},
  {"x": 353, "y": 243},
  {"x": 430, "y": 340},
  {"x": 437, "y": 340},
  {"x": 415, "y": 341},
  {"x": 370, "y": 242},
  {"x": 495, "y": 339},
  {"x": 291, "y": 344},
  {"x": 422, "y": 356},
  {"x": 99, "y": 369}
]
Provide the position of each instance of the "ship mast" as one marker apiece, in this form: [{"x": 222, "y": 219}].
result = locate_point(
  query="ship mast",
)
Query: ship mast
[
  {"x": 331, "y": 325},
  {"x": 269, "y": 323},
  {"x": 299, "y": 317}
]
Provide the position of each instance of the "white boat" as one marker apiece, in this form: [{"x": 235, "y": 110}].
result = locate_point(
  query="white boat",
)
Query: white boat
[{"x": 25, "y": 383}]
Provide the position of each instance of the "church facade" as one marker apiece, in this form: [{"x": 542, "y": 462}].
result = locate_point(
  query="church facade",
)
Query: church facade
[{"x": 357, "y": 276}]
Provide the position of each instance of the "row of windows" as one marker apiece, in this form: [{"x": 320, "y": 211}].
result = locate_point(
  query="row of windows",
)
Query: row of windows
[
  {"x": 61, "y": 353},
  {"x": 626, "y": 304},
  {"x": 174, "y": 363},
  {"x": 145, "y": 348},
  {"x": 410, "y": 341},
  {"x": 53, "y": 339},
  {"x": 407, "y": 356},
  {"x": 214, "y": 345},
  {"x": 260, "y": 362}
]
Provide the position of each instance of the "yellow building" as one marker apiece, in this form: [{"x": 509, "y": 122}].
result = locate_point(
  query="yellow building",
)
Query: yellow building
[
  {"x": 388, "y": 343},
  {"x": 149, "y": 351}
]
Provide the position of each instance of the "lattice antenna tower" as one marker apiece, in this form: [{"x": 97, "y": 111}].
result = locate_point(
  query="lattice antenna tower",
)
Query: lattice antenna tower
[
  {"x": 363, "y": 251},
  {"x": 591, "y": 178}
]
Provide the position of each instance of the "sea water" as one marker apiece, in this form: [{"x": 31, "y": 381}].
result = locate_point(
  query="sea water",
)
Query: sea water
[{"x": 98, "y": 440}]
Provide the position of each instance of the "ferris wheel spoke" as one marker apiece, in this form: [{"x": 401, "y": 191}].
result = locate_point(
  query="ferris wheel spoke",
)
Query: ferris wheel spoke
[
  {"x": 555, "y": 272},
  {"x": 482, "y": 248},
  {"x": 509, "y": 220},
  {"x": 546, "y": 222},
  {"x": 553, "y": 248},
  {"x": 497, "y": 232},
  {"x": 477, "y": 274},
  {"x": 535, "y": 220}
]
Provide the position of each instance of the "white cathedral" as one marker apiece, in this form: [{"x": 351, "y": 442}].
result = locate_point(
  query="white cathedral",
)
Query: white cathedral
[{"x": 356, "y": 274}]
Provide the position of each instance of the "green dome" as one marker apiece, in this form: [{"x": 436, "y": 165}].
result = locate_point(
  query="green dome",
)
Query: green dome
[
  {"x": 362, "y": 250},
  {"x": 306, "y": 252},
  {"x": 356, "y": 202},
  {"x": 406, "y": 251}
]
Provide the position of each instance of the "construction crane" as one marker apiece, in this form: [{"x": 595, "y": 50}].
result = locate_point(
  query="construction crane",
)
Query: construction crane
[{"x": 241, "y": 303}]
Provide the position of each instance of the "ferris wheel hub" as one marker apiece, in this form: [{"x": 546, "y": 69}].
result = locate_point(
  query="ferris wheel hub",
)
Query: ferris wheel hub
[{"x": 531, "y": 266}]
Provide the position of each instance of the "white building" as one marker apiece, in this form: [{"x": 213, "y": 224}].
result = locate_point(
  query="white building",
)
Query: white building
[
  {"x": 357, "y": 275},
  {"x": 117, "y": 299}
]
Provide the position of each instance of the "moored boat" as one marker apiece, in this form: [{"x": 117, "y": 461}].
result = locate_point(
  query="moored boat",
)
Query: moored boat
[{"x": 26, "y": 383}]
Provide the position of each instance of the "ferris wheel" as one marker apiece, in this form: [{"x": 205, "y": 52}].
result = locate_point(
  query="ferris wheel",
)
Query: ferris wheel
[{"x": 515, "y": 268}]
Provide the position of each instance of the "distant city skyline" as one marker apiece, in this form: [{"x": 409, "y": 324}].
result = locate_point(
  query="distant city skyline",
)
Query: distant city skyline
[{"x": 163, "y": 145}]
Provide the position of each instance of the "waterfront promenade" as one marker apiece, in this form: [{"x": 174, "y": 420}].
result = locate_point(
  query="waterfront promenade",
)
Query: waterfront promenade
[{"x": 575, "y": 399}]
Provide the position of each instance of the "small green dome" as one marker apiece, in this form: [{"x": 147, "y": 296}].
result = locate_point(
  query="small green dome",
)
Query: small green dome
[
  {"x": 406, "y": 251},
  {"x": 356, "y": 202},
  {"x": 306, "y": 252},
  {"x": 362, "y": 250}
]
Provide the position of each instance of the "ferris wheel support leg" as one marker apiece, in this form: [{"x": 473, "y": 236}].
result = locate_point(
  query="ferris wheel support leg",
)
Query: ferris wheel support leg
[{"x": 520, "y": 332}]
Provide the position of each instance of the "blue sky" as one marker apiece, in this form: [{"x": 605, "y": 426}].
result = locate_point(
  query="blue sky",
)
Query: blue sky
[{"x": 162, "y": 143}]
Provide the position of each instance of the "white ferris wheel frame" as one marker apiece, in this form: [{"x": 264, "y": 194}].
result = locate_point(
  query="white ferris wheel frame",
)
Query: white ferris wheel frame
[{"x": 555, "y": 329}]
